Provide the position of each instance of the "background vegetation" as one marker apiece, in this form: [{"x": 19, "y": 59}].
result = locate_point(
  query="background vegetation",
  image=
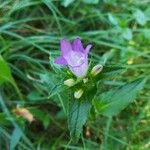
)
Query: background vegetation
[{"x": 30, "y": 31}]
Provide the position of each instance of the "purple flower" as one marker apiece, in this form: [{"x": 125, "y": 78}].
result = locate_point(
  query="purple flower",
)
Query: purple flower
[{"x": 75, "y": 56}]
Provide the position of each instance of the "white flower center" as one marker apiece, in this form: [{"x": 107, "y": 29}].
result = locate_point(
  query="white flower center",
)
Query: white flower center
[{"x": 75, "y": 58}]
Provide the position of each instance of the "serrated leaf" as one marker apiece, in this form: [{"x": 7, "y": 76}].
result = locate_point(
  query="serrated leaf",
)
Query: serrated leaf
[
  {"x": 55, "y": 87},
  {"x": 112, "y": 102},
  {"x": 78, "y": 114},
  {"x": 140, "y": 17},
  {"x": 15, "y": 137},
  {"x": 52, "y": 83},
  {"x": 77, "y": 118}
]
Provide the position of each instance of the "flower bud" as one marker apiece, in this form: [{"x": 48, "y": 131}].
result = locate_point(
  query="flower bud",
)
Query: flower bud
[
  {"x": 85, "y": 80},
  {"x": 69, "y": 82},
  {"x": 130, "y": 61},
  {"x": 96, "y": 69},
  {"x": 78, "y": 93}
]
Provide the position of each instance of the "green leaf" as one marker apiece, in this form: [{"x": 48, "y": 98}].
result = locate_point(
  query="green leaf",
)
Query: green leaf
[
  {"x": 5, "y": 73},
  {"x": 113, "y": 19},
  {"x": 5, "y": 76},
  {"x": 140, "y": 17},
  {"x": 52, "y": 83},
  {"x": 34, "y": 96},
  {"x": 15, "y": 137},
  {"x": 147, "y": 12},
  {"x": 77, "y": 118},
  {"x": 55, "y": 88},
  {"x": 127, "y": 33},
  {"x": 4, "y": 120},
  {"x": 106, "y": 57},
  {"x": 91, "y": 1},
  {"x": 78, "y": 114},
  {"x": 22, "y": 4},
  {"x": 66, "y": 3},
  {"x": 42, "y": 116},
  {"x": 112, "y": 102},
  {"x": 110, "y": 71}
]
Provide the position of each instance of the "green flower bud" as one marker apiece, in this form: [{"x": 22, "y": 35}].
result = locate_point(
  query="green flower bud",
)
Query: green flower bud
[
  {"x": 69, "y": 82},
  {"x": 96, "y": 69},
  {"x": 78, "y": 93},
  {"x": 85, "y": 80}
]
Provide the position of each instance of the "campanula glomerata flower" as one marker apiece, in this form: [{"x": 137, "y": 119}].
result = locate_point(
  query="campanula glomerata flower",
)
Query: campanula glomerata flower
[{"x": 74, "y": 56}]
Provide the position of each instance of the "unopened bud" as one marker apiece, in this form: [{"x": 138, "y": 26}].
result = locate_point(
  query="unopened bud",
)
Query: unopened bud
[
  {"x": 96, "y": 69},
  {"x": 85, "y": 80},
  {"x": 78, "y": 93},
  {"x": 130, "y": 61},
  {"x": 131, "y": 42},
  {"x": 69, "y": 82}
]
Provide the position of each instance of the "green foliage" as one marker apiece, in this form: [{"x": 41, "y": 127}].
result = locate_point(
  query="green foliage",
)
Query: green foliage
[
  {"x": 5, "y": 76},
  {"x": 127, "y": 34},
  {"x": 140, "y": 17},
  {"x": 91, "y": 1},
  {"x": 15, "y": 137},
  {"x": 30, "y": 31},
  {"x": 66, "y": 3},
  {"x": 77, "y": 117},
  {"x": 5, "y": 73},
  {"x": 17, "y": 132},
  {"x": 42, "y": 116},
  {"x": 112, "y": 19},
  {"x": 112, "y": 102},
  {"x": 78, "y": 114}
]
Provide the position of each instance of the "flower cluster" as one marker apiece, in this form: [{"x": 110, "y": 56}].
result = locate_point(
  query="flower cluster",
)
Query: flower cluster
[{"x": 76, "y": 58}]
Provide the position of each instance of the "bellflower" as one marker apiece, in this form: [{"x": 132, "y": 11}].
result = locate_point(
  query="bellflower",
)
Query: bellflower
[{"x": 74, "y": 56}]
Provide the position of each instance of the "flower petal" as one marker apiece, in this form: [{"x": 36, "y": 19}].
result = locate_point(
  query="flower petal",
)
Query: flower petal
[
  {"x": 80, "y": 71},
  {"x": 77, "y": 45},
  {"x": 65, "y": 46},
  {"x": 75, "y": 58},
  {"x": 88, "y": 47},
  {"x": 60, "y": 60}
]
